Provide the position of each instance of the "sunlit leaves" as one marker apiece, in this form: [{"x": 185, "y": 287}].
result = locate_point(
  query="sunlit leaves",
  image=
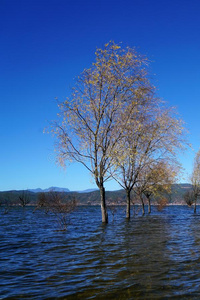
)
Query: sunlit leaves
[
  {"x": 103, "y": 101},
  {"x": 114, "y": 124},
  {"x": 195, "y": 178}
]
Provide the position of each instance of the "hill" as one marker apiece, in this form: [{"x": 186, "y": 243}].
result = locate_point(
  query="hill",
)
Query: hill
[{"x": 91, "y": 197}]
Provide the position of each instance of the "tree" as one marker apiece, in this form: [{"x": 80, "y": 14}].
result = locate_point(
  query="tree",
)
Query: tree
[
  {"x": 42, "y": 202},
  {"x": 24, "y": 198},
  {"x": 195, "y": 179},
  {"x": 113, "y": 205},
  {"x": 155, "y": 181},
  {"x": 129, "y": 153},
  {"x": 154, "y": 136},
  {"x": 95, "y": 117},
  {"x": 5, "y": 204},
  {"x": 59, "y": 205},
  {"x": 189, "y": 198}
]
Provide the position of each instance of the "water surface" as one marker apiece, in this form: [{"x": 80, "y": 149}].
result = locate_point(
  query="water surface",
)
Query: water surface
[{"x": 150, "y": 257}]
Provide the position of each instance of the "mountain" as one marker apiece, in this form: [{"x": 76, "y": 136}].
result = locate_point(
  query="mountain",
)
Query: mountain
[
  {"x": 56, "y": 189},
  {"x": 52, "y": 188},
  {"x": 87, "y": 191},
  {"x": 59, "y": 189},
  {"x": 35, "y": 190},
  {"x": 92, "y": 197}
]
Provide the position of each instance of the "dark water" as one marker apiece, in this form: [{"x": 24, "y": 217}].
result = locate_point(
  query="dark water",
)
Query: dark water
[{"x": 151, "y": 257}]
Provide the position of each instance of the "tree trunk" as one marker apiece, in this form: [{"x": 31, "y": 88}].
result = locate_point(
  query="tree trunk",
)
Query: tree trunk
[
  {"x": 149, "y": 205},
  {"x": 195, "y": 204},
  {"x": 128, "y": 204},
  {"x": 103, "y": 205},
  {"x": 143, "y": 210}
]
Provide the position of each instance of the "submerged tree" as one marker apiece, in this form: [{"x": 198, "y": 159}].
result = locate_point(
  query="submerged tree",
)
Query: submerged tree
[
  {"x": 24, "y": 198},
  {"x": 59, "y": 205},
  {"x": 155, "y": 181},
  {"x": 5, "y": 204},
  {"x": 195, "y": 179},
  {"x": 113, "y": 124},
  {"x": 130, "y": 150},
  {"x": 154, "y": 138},
  {"x": 42, "y": 202},
  {"x": 189, "y": 198},
  {"x": 94, "y": 119},
  {"x": 114, "y": 204}
]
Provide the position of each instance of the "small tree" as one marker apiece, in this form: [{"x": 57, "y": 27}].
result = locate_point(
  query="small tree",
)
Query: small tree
[
  {"x": 162, "y": 203},
  {"x": 5, "y": 205},
  {"x": 42, "y": 202},
  {"x": 189, "y": 197},
  {"x": 155, "y": 137},
  {"x": 156, "y": 180},
  {"x": 59, "y": 205},
  {"x": 113, "y": 205},
  {"x": 195, "y": 179},
  {"x": 24, "y": 198}
]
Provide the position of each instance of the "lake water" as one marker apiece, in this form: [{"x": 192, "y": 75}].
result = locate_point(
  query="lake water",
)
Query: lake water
[{"x": 150, "y": 257}]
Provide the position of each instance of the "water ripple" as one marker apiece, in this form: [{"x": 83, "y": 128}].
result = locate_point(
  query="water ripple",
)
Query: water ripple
[{"x": 151, "y": 257}]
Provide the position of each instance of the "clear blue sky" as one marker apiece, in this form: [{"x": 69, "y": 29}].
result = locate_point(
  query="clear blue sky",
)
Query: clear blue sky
[{"x": 45, "y": 44}]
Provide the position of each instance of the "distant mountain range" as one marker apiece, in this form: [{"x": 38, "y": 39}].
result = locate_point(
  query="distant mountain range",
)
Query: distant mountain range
[
  {"x": 58, "y": 189},
  {"x": 91, "y": 196},
  {"x": 52, "y": 188}
]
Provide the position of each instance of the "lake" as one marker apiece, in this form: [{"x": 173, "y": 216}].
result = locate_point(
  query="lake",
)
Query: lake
[{"x": 152, "y": 257}]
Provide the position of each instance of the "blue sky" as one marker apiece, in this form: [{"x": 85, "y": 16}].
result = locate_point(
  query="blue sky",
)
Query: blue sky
[{"x": 46, "y": 44}]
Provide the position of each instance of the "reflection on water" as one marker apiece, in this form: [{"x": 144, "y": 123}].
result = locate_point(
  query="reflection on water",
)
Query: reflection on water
[{"x": 151, "y": 257}]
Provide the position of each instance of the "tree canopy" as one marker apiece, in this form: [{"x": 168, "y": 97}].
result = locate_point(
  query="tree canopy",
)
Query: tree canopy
[{"x": 113, "y": 123}]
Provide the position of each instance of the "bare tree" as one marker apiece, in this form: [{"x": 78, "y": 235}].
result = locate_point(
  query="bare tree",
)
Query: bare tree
[
  {"x": 24, "y": 198},
  {"x": 5, "y": 205},
  {"x": 42, "y": 202},
  {"x": 113, "y": 205},
  {"x": 189, "y": 198},
  {"x": 59, "y": 205}
]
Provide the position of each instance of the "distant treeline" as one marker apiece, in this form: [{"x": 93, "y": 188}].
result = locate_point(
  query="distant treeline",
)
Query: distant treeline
[{"x": 92, "y": 198}]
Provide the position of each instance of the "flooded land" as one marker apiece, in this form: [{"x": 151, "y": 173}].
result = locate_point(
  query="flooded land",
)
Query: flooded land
[{"x": 156, "y": 256}]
